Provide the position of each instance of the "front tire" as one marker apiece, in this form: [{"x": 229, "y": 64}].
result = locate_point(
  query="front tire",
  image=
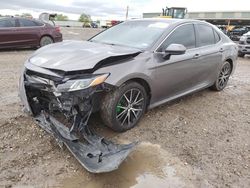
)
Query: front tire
[
  {"x": 223, "y": 77},
  {"x": 122, "y": 108}
]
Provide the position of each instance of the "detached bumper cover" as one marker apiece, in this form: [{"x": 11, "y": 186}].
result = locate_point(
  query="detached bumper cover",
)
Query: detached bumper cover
[{"x": 94, "y": 152}]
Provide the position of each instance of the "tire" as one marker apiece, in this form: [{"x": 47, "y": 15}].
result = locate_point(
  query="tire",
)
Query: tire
[
  {"x": 240, "y": 54},
  {"x": 223, "y": 77},
  {"x": 119, "y": 111},
  {"x": 45, "y": 41}
]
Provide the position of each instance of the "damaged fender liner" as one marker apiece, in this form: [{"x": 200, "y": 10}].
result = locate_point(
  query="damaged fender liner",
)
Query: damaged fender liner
[{"x": 97, "y": 155}]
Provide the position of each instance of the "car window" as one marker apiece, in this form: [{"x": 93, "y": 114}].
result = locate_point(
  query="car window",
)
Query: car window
[
  {"x": 27, "y": 23},
  {"x": 216, "y": 37},
  {"x": 38, "y": 23},
  {"x": 179, "y": 36},
  {"x": 7, "y": 23},
  {"x": 205, "y": 35}
]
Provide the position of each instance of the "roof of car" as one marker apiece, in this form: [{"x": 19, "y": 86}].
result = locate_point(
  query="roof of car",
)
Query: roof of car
[{"x": 167, "y": 20}]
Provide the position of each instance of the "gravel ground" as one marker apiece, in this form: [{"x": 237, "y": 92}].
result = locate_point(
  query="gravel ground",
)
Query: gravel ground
[{"x": 202, "y": 140}]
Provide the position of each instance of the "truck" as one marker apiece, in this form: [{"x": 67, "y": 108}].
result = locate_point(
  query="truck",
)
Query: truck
[{"x": 174, "y": 12}]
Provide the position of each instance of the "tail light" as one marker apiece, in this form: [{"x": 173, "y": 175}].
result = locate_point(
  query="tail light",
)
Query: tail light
[{"x": 58, "y": 29}]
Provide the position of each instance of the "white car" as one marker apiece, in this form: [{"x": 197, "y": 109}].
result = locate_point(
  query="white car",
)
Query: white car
[{"x": 244, "y": 45}]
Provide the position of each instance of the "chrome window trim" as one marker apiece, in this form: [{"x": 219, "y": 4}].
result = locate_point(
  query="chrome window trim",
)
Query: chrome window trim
[{"x": 200, "y": 47}]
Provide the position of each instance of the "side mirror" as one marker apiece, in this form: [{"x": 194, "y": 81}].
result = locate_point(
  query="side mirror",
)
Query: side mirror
[{"x": 174, "y": 49}]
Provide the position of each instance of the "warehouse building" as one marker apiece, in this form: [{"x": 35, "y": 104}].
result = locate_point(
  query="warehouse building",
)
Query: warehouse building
[{"x": 216, "y": 18}]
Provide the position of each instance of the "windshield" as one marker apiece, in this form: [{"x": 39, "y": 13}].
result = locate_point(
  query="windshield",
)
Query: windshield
[{"x": 137, "y": 34}]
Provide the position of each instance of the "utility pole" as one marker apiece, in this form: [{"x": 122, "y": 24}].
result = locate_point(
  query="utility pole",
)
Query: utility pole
[{"x": 127, "y": 13}]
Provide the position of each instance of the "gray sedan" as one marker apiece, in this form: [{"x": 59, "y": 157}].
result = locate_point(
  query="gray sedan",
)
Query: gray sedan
[{"x": 123, "y": 71}]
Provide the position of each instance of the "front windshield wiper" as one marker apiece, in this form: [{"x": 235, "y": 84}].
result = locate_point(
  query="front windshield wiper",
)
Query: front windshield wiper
[{"x": 103, "y": 42}]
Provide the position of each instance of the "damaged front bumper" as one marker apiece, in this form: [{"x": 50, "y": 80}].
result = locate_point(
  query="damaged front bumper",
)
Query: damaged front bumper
[{"x": 94, "y": 152}]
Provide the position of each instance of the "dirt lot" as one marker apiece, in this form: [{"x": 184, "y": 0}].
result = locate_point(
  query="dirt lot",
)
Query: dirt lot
[{"x": 202, "y": 140}]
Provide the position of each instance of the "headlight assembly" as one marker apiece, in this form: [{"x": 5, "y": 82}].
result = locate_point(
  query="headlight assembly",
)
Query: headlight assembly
[{"x": 79, "y": 84}]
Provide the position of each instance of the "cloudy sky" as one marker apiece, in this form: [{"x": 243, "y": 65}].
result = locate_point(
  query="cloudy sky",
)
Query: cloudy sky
[{"x": 115, "y": 9}]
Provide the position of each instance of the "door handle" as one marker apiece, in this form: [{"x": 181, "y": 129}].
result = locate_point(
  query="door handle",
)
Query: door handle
[{"x": 196, "y": 56}]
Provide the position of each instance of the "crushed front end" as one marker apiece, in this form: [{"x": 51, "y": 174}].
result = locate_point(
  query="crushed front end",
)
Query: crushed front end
[{"x": 61, "y": 104}]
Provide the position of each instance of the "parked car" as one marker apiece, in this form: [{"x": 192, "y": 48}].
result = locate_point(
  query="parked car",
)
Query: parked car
[
  {"x": 244, "y": 45},
  {"x": 236, "y": 33},
  {"x": 18, "y": 32},
  {"x": 94, "y": 25},
  {"x": 122, "y": 72}
]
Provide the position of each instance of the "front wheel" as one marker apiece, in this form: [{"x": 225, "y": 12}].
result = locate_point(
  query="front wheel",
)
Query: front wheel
[
  {"x": 122, "y": 108},
  {"x": 223, "y": 77}
]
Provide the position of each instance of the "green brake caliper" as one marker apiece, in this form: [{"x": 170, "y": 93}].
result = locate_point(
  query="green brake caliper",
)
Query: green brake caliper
[{"x": 118, "y": 109}]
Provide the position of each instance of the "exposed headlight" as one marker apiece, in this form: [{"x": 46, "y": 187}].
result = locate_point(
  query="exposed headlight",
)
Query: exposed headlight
[{"x": 79, "y": 84}]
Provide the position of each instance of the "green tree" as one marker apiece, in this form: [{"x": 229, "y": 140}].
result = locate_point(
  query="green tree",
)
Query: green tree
[
  {"x": 85, "y": 18},
  {"x": 61, "y": 17},
  {"x": 26, "y": 15}
]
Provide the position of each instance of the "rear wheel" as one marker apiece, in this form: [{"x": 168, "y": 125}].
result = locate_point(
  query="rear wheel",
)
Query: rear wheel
[
  {"x": 122, "y": 109},
  {"x": 45, "y": 41},
  {"x": 223, "y": 77}
]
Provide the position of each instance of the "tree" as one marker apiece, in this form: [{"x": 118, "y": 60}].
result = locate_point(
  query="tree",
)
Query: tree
[
  {"x": 61, "y": 17},
  {"x": 85, "y": 18},
  {"x": 26, "y": 15}
]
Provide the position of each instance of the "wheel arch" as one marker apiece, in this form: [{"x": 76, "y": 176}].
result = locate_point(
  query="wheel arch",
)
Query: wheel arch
[
  {"x": 229, "y": 60},
  {"x": 46, "y": 35}
]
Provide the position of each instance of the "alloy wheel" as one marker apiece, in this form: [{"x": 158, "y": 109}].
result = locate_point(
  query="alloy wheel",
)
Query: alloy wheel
[
  {"x": 130, "y": 107},
  {"x": 224, "y": 75}
]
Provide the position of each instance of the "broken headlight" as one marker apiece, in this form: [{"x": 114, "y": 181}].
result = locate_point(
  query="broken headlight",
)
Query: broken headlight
[{"x": 79, "y": 84}]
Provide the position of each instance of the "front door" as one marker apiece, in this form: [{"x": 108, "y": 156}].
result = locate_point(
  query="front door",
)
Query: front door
[{"x": 177, "y": 75}]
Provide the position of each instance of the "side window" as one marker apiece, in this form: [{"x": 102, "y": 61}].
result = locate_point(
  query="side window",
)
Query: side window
[
  {"x": 184, "y": 35},
  {"x": 27, "y": 23},
  {"x": 205, "y": 35},
  {"x": 216, "y": 37},
  {"x": 7, "y": 23},
  {"x": 39, "y": 23}
]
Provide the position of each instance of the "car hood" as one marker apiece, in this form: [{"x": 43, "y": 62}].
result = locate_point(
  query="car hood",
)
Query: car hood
[{"x": 79, "y": 55}]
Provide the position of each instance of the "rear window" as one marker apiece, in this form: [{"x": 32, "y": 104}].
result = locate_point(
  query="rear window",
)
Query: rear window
[
  {"x": 27, "y": 23},
  {"x": 7, "y": 23},
  {"x": 205, "y": 35},
  {"x": 216, "y": 37}
]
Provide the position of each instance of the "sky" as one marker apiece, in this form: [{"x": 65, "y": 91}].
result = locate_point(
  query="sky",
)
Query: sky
[{"x": 115, "y": 9}]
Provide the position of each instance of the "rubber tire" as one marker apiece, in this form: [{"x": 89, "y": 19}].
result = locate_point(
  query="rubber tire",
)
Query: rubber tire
[
  {"x": 215, "y": 87},
  {"x": 240, "y": 54},
  {"x": 44, "y": 40},
  {"x": 109, "y": 103}
]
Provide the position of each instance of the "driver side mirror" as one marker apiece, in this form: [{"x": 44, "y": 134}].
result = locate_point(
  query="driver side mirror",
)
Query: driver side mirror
[{"x": 174, "y": 49}]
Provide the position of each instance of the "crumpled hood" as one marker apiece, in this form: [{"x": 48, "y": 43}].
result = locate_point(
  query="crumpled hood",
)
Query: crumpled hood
[{"x": 77, "y": 55}]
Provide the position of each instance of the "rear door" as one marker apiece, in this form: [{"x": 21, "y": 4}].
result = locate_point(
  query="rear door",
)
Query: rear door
[
  {"x": 28, "y": 32},
  {"x": 210, "y": 53},
  {"x": 7, "y": 32}
]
